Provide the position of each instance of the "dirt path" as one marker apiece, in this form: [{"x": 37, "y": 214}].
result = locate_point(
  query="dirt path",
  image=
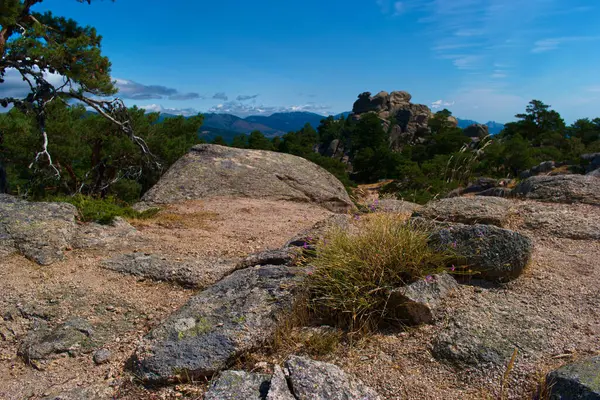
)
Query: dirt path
[{"x": 123, "y": 308}]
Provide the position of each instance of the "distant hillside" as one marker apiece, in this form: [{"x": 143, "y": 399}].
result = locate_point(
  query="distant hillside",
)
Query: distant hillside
[
  {"x": 278, "y": 124},
  {"x": 495, "y": 127},
  {"x": 289, "y": 121}
]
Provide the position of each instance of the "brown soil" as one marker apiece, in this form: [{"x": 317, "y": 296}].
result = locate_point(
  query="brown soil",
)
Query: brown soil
[{"x": 560, "y": 287}]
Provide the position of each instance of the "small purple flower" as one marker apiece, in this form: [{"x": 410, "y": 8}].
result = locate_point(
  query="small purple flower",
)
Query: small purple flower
[
  {"x": 376, "y": 202},
  {"x": 429, "y": 279},
  {"x": 479, "y": 233},
  {"x": 356, "y": 217},
  {"x": 309, "y": 239},
  {"x": 453, "y": 268},
  {"x": 305, "y": 246}
]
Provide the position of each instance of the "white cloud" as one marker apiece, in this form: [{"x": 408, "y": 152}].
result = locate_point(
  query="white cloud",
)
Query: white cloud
[
  {"x": 441, "y": 103},
  {"x": 544, "y": 45},
  {"x": 467, "y": 61},
  {"x": 14, "y": 86},
  {"x": 244, "y": 109},
  {"x": 186, "y": 112}
]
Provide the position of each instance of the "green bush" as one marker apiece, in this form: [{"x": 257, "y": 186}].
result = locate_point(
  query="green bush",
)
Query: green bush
[
  {"x": 355, "y": 270},
  {"x": 104, "y": 210}
]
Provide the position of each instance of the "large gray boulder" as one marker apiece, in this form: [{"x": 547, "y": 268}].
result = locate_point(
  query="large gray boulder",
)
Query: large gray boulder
[
  {"x": 315, "y": 380},
  {"x": 39, "y": 231},
  {"x": 577, "y": 381},
  {"x": 239, "y": 385},
  {"x": 236, "y": 315},
  {"x": 490, "y": 252},
  {"x": 210, "y": 171},
  {"x": 469, "y": 210},
  {"x": 561, "y": 189}
]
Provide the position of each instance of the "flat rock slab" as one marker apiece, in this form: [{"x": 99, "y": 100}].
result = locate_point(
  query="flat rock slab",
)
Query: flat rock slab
[
  {"x": 239, "y": 385},
  {"x": 188, "y": 273},
  {"x": 561, "y": 220},
  {"x": 578, "y": 381},
  {"x": 43, "y": 343},
  {"x": 469, "y": 210},
  {"x": 478, "y": 338},
  {"x": 237, "y": 314},
  {"x": 284, "y": 256},
  {"x": 492, "y": 253},
  {"x": 315, "y": 380},
  {"x": 39, "y": 231},
  {"x": 212, "y": 170},
  {"x": 561, "y": 189}
]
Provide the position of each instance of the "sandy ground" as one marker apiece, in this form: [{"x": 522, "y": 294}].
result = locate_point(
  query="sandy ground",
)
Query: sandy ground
[
  {"x": 560, "y": 288},
  {"x": 123, "y": 308}
]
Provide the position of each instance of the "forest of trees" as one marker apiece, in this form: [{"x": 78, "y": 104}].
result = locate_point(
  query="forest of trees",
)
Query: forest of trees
[{"x": 446, "y": 158}]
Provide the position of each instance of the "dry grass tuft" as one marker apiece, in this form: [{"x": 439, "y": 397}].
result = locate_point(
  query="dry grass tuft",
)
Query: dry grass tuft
[{"x": 356, "y": 270}]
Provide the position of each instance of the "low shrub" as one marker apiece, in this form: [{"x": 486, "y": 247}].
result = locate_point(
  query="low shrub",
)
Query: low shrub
[
  {"x": 104, "y": 210},
  {"x": 356, "y": 269}
]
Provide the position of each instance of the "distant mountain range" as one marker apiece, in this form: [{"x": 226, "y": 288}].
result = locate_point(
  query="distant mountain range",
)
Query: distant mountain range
[
  {"x": 494, "y": 127},
  {"x": 278, "y": 124}
]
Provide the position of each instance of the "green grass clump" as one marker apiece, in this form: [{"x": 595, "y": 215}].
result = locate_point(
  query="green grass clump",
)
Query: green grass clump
[
  {"x": 104, "y": 210},
  {"x": 356, "y": 269}
]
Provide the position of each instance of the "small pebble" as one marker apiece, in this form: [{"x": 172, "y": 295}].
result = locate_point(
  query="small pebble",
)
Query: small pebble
[{"x": 102, "y": 356}]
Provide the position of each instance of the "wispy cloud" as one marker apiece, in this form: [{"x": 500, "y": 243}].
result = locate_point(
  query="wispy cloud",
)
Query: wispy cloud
[
  {"x": 544, "y": 45},
  {"x": 220, "y": 96},
  {"x": 395, "y": 8},
  {"x": 136, "y": 91},
  {"x": 476, "y": 34}
]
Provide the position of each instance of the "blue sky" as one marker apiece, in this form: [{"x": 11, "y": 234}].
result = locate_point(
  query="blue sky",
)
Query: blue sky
[{"x": 482, "y": 59}]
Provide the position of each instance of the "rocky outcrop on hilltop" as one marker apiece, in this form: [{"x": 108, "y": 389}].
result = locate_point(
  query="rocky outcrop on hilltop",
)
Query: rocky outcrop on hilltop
[
  {"x": 410, "y": 120},
  {"x": 212, "y": 171}
]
